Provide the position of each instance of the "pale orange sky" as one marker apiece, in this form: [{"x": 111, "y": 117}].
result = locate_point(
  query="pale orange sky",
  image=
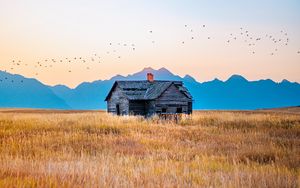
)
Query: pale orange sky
[{"x": 33, "y": 31}]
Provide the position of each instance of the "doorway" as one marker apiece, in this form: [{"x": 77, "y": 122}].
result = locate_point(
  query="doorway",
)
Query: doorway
[{"x": 118, "y": 109}]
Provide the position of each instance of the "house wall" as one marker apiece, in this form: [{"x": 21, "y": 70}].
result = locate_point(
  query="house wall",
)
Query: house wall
[
  {"x": 150, "y": 107},
  {"x": 117, "y": 97},
  {"x": 172, "y": 99}
]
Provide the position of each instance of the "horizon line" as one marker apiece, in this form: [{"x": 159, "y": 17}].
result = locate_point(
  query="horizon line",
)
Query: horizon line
[{"x": 152, "y": 69}]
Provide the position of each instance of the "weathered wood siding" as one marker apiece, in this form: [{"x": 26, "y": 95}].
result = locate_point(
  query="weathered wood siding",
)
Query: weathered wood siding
[
  {"x": 150, "y": 107},
  {"x": 118, "y": 98},
  {"x": 171, "y": 100}
]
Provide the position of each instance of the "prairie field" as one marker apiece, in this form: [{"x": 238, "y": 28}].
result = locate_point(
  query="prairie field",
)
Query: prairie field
[{"x": 94, "y": 149}]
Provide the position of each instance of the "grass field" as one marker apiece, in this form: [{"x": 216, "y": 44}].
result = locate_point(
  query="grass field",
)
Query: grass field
[{"x": 93, "y": 149}]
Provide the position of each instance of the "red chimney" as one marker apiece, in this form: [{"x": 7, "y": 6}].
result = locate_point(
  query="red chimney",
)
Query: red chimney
[{"x": 150, "y": 77}]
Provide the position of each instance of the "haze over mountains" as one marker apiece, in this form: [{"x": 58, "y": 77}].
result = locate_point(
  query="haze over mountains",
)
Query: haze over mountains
[
  {"x": 234, "y": 93},
  {"x": 17, "y": 91}
]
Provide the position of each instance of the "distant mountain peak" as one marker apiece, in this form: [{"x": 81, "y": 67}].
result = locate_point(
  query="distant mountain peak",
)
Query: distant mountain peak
[
  {"x": 163, "y": 69},
  {"x": 118, "y": 77},
  {"x": 148, "y": 69},
  {"x": 236, "y": 77},
  {"x": 189, "y": 78},
  {"x": 61, "y": 86},
  {"x": 216, "y": 80},
  {"x": 285, "y": 81}
]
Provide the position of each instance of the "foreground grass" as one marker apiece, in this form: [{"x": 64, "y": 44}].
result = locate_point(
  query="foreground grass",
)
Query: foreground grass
[{"x": 94, "y": 149}]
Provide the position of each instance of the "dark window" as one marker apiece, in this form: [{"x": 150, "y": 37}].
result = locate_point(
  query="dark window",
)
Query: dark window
[
  {"x": 118, "y": 109},
  {"x": 179, "y": 110},
  {"x": 164, "y": 110}
]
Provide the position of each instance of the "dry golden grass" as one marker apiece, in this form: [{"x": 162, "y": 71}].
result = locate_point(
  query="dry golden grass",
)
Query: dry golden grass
[{"x": 95, "y": 149}]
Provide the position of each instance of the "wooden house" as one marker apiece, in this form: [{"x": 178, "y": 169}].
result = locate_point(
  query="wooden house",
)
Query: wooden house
[{"x": 148, "y": 97}]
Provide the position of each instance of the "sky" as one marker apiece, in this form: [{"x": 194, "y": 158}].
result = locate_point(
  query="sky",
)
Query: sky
[{"x": 206, "y": 39}]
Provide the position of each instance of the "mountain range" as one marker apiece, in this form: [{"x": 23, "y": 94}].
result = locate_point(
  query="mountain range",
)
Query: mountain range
[{"x": 236, "y": 93}]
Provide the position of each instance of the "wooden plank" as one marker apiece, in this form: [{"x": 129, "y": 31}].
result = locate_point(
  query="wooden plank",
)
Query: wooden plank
[
  {"x": 117, "y": 97},
  {"x": 171, "y": 100}
]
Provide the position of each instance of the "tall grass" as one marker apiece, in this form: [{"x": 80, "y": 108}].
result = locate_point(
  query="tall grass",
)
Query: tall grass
[{"x": 95, "y": 149}]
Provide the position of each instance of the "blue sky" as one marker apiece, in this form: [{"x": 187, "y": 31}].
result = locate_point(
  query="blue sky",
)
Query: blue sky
[{"x": 35, "y": 30}]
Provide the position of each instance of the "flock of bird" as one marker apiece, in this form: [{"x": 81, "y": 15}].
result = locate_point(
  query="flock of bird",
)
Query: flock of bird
[
  {"x": 94, "y": 58},
  {"x": 252, "y": 40},
  {"x": 193, "y": 33},
  {"x": 242, "y": 35}
]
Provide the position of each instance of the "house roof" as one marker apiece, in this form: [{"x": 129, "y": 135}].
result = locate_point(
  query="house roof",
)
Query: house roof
[{"x": 145, "y": 90}]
